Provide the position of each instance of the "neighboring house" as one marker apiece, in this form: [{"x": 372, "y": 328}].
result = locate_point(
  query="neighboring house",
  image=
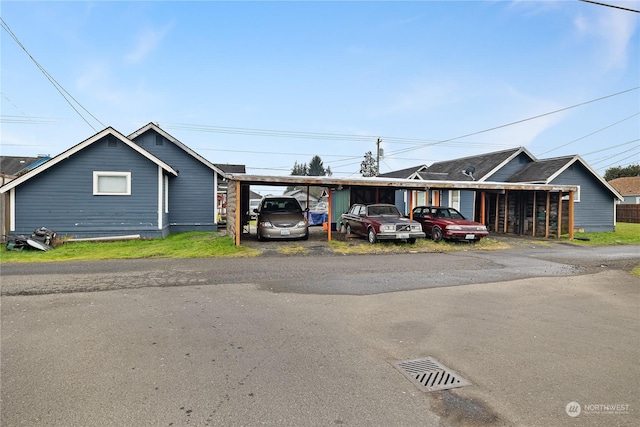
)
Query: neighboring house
[
  {"x": 408, "y": 173},
  {"x": 10, "y": 168},
  {"x": 302, "y": 197},
  {"x": 629, "y": 188},
  {"x": 521, "y": 212},
  {"x": 104, "y": 186}
]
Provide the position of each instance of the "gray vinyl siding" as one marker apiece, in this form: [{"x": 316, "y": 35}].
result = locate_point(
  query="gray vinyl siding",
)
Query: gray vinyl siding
[
  {"x": 508, "y": 170},
  {"x": 595, "y": 210},
  {"x": 61, "y": 197},
  {"x": 191, "y": 194}
]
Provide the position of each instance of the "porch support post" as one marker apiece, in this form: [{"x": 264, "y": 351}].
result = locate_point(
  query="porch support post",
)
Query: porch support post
[
  {"x": 482, "y": 207},
  {"x": 547, "y": 215},
  {"x": 496, "y": 222},
  {"x": 410, "y": 204},
  {"x": 505, "y": 226},
  {"x": 535, "y": 216},
  {"x": 559, "y": 231},
  {"x": 571, "y": 211}
]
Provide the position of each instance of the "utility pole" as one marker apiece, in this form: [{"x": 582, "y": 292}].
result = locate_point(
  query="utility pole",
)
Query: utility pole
[{"x": 378, "y": 156}]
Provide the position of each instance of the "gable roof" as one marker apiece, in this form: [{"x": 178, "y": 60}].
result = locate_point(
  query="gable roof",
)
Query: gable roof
[
  {"x": 407, "y": 173},
  {"x": 158, "y": 129},
  {"x": 12, "y": 165},
  {"x": 546, "y": 170},
  {"x": 81, "y": 146},
  {"x": 627, "y": 186},
  {"x": 484, "y": 166}
]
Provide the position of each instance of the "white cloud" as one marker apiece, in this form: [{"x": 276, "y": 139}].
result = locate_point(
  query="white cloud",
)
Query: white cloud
[{"x": 147, "y": 41}]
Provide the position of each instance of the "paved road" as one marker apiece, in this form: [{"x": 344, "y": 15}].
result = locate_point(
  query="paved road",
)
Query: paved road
[{"x": 309, "y": 340}]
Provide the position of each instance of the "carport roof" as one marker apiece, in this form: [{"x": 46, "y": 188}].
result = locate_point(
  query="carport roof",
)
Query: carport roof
[{"x": 333, "y": 182}]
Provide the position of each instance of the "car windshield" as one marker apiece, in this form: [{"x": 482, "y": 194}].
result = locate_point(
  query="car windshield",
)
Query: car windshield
[
  {"x": 383, "y": 211},
  {"x": 281, "y": 205}
]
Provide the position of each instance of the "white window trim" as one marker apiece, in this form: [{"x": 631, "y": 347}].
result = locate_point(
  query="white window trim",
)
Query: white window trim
[
  {"x": 98, "y": 174},
  {"x": 576, "y": 196},
  {"x": 166, "y": 194}
]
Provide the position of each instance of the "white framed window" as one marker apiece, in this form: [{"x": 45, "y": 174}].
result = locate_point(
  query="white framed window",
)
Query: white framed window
[
  {"x": 576, "y": 196},
  {"x": 111, "y": 183}
]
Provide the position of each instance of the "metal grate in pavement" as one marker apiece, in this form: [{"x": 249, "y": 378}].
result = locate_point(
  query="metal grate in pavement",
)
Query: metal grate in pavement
[{"x": 430, "y": 375}]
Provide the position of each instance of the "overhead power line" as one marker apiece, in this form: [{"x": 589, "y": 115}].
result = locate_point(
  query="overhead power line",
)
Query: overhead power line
[
  {"x": 53, "y": 81},
  {"x": 615, "y": 6}
]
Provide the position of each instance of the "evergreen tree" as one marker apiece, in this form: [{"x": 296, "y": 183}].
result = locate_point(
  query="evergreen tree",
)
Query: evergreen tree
[
  {"x": 368, "y": 166},
  {"x": 316, "y": 168}
]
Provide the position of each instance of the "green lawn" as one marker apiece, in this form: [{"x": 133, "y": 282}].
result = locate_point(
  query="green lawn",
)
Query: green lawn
[
  {"x": 181, "y": 245},
  {"x": 625, "y": 234}
]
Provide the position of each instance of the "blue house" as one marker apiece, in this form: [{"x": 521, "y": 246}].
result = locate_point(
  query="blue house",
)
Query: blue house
[
  {"x": 519, "y": 212},
  {"x": 192, "y": 196},
  {"x": 109, "y": 185}
]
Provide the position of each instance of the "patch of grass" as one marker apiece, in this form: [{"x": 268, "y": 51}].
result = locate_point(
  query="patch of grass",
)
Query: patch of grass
[
  {"x": 625, "y": 234},
  {"x": 357, "y": 246},
  {"x": 292, "y": 250},
  {"x": 180, "y": 245},
  {"x": 636, "y": 271}
]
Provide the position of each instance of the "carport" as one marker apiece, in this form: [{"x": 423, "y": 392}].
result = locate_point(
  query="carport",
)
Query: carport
[{"x": 498, "y": 202}]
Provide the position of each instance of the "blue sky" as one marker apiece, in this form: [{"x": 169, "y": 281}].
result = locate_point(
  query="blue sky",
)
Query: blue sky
[{"x": 267, "y": 84}]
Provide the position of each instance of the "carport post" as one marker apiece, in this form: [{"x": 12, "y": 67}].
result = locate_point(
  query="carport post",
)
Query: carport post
[
  {"x": 237, "y": 213},
  {"x": 410, "y": 204},
  {"x": 547, "y": 215},
  {"x": 559, "y": 231},
  {"x": 329, "y": 216}
]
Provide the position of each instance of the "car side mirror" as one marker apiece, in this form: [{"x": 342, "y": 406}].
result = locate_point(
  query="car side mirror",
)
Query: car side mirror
[{"x": 255, "y": 210}]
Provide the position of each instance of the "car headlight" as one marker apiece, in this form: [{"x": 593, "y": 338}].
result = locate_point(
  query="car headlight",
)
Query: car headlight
[
  {"x": 301, "y": 224},
  {"x": 266, "y": 224},
  {"x": 416, "y": 227},
  {"x": 387, "y": 228},
  {"x": 453, "y": 227},
  {"x": 481, "y": 228}
]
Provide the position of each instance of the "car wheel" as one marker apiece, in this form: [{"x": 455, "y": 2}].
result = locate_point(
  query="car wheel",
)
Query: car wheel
[
  {"x": 411, "y": 241},
  {"x": 348, "y": 229},
  {"x": 343, "y": 229},
  {"x": 372, "y": 236},
  {"x": 436, "y": 234},
  {"x": 260, "y": 238},
  {"x": 306, "y": 236}
]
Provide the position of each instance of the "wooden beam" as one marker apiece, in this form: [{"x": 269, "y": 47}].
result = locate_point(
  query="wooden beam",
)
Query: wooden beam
[
  {"x": 237, "y": 214},
  {"x": 571, "y": 211},
  {"x": 547, "y": 215},
  {"x": 410, "y": 204},
  {"x": 505, "y": 226},
  {"x": 482, "y": 207},
  {"x": 535, "y": 216},
  {"x": 329, "y": 209},
  {"x": 497, "y": 220},
  {"x": 559, "y": 231}
]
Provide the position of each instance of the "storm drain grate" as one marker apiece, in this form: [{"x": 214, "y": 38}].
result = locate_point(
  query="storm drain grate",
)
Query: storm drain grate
[{"x": 430, "y": 375}]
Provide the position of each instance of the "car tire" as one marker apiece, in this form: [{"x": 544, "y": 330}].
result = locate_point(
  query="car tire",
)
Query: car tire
[
  {"x": 343, "y": 229},
  {"x": 436, "y": 234},
  {"x": 306, "y": 236},
  {"x": 348, "y": 229},
  {"x": 371, "y": 235},
  {"x": 411, "y": 241}
]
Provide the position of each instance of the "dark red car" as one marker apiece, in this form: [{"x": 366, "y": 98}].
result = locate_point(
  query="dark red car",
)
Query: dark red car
[
  {"x": 379, "y": 222},
  {"x": 441, "y": 222}
]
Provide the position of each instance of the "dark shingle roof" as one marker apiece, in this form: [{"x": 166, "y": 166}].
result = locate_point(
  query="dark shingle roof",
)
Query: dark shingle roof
[
  {"x": 541, "y": 170},
  {"x": 403, "y": 173},
  {"x": 11, "y": 165},
  {"x": 227, "y": 168},
  {"x": 452, "y": 170}
]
